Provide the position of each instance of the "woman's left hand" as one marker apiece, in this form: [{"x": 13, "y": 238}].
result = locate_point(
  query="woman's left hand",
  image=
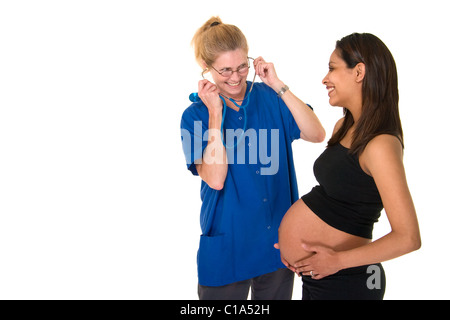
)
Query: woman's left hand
[
  {"x": 323, "y": 263},
  {"x": 266, "y": 71}
]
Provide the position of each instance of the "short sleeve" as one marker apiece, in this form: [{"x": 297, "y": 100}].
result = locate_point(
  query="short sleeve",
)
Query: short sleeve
[{"x": 194, "y": 124}]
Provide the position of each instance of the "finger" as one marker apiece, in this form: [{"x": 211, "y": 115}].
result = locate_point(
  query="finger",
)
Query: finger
[
  {"x": 261, "y": 70},
  {"x": 202, "y": 84},
  {"x": 258, "y": 60},
  {"x": 302, "y": 269},
  {"x": 261, "y": 59},
  {"x": 209, "y": 87},
  {"x": 265, "y": 69},
  {"x": 288, "y": 265},
  {"x": 312, "y": 276},
  {"x": 302, "y": 263},
  {"x": 214, "y": 91},
  {"x": 255, "y": 62},
  {"x": 256, "y": 65},
  {"x": 268, "y": 68},
  {"x": 285, "y": 263},
  {"x": 304, "y": 272}
]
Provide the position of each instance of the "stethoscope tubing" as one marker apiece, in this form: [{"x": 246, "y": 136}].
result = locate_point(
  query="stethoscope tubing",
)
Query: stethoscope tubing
[
  {"x": 193, "y": 97},
  {"x": 244, "y": 107}
]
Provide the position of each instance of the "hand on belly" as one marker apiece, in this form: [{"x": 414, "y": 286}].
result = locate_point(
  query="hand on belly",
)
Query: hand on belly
[
  {"x": 301, "y": 226},
  {"x": 293, "y": 232}
]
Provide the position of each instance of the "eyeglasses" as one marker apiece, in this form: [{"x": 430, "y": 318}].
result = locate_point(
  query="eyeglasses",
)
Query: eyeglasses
[{"x": 227, "y": 72}]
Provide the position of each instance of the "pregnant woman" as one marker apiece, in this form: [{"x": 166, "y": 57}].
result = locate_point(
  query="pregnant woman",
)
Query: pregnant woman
[{"x": 326, "y": 235}]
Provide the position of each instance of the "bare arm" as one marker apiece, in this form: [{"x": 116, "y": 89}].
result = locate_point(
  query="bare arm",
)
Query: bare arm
[
  {"x": 310, "y": 127},
  {"x": 383, "y": 159},
  {"x": 214, "y": 167}
]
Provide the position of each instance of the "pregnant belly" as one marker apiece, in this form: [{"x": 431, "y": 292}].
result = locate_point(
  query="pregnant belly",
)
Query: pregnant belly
[{"x": 300, "y": 225}]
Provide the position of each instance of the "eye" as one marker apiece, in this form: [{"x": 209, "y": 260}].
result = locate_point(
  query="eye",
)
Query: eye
[
  {"x": 331, "y": 66},
  {"x": 242, "y": 66},
  {"x": 225, "y": 70}
]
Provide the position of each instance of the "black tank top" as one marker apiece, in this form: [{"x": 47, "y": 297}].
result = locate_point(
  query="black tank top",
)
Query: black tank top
[{"x": 346, "y": 197}]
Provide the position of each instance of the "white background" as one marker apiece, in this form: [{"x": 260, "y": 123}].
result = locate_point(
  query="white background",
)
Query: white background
[{"x": 95, "y": 198}]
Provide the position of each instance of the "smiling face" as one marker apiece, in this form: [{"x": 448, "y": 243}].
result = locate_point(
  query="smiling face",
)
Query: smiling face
[
  {"x": 344, "y": 84},
  {"x": 232, "y": 86}
]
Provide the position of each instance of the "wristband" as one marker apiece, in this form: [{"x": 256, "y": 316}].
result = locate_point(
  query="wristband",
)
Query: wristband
[{"x": 282, "y": 91}]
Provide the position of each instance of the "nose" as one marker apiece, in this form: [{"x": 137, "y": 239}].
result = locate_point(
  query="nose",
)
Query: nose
[
  {"x": 235, "y": 76},
  {"x": 325, "y": 80}
]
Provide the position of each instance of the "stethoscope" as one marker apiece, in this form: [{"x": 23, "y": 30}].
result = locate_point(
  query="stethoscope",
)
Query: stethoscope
[{"x": 193, "y": 97}]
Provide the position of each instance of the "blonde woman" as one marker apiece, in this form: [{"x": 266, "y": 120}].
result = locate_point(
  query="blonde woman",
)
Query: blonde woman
[{"x": 237, "y": 137}]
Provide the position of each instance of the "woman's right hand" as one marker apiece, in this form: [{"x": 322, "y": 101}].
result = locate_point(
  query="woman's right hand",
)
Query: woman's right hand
[
  {"x": 209, "y": 93},
  {"x": 283, "y": 260}
]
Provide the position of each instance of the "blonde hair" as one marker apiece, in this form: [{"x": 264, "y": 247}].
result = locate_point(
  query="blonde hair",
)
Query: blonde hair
[{"x": 214, "y": 38}]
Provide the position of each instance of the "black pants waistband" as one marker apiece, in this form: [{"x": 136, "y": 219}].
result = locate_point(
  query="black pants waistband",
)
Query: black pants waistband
[{"x": 358, "y": 270}]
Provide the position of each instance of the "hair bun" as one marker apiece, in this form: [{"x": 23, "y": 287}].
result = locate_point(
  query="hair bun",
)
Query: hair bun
[{"x": 209, "y": 42}]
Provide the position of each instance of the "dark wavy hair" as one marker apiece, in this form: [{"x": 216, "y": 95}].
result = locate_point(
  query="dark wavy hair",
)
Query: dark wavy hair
[{"x": 380, "y": 112}]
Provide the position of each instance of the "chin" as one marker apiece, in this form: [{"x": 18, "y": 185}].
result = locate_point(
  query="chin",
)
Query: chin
[
  {"x": 334, "y": 103},
  {"x": 234, "y": 91}
]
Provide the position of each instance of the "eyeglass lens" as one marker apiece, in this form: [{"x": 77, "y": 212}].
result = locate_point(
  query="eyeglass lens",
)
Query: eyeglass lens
[{"x": 241, "y": 70}]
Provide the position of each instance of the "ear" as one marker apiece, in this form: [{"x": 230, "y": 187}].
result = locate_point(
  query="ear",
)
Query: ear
[
  {"x": 205, "y": 68},
  {"x": 360, "y": 70}
]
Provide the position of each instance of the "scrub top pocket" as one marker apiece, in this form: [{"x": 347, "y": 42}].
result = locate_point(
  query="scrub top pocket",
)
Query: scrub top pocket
[{"x": 213, "y": 254}]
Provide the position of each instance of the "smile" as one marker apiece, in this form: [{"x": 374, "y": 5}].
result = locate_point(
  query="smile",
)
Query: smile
[
  {"x": 231, "y": 84},
  {"x": 330, "y": 89}
]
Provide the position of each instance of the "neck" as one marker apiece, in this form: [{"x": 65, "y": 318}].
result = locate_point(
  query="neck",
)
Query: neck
[
  {"x": 355, "y": 110},
  {"x": 232, "y": 105},
  {"x": 238, "y": 99}
]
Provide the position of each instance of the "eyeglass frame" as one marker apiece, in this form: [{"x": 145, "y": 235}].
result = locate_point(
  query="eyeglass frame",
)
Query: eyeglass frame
[{"x": 232, "y": 71}]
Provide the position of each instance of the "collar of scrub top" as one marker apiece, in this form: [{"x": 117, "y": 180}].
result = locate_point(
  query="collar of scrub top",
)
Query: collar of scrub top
[{"x": 193, "y": 97}]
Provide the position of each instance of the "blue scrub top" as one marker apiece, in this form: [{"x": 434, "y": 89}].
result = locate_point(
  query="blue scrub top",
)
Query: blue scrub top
[{"x": 240, "y": 222}]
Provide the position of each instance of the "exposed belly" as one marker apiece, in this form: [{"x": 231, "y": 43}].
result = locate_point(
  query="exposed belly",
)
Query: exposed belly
[{"x": 300, "y": 225}]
